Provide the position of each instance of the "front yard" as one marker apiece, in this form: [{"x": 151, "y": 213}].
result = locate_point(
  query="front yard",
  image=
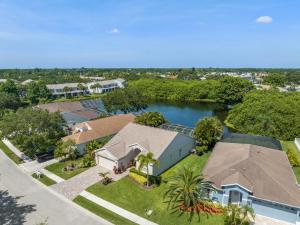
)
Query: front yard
[
  {"x": 291, "y": 145},
  {"x": 44, "y": 179},
  {"x": 58, "y": 169},
  {"x": 132, "y": 197},
  {"x": 10, "y": 153}
]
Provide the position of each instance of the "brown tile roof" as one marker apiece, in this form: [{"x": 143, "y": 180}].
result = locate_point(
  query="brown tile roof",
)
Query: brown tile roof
[
  {"x": 266, "y": 172},
  {"x": 62, "y": 106},
  {"x": 96, "y": 129}
]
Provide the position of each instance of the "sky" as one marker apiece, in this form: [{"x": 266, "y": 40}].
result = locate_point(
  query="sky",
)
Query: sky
[{"x": 149, "y": 33}]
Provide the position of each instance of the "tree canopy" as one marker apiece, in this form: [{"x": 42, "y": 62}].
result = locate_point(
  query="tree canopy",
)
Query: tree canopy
[
  {"x": 125, "y": 100},
  {"x": 233, "y": 89},
  {"x": 275, "y": 79},
  {"x": 208, "y": 131},
  {"x": 268, "y": 113},
  {"x": 34, "y": 130},
  {"x": 153, "y": 119}
]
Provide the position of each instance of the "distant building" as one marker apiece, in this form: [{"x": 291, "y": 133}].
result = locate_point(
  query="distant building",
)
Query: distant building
[{"x": 73, "y": 89}]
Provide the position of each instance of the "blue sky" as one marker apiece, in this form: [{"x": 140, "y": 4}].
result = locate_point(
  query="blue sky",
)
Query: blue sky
[{"x": 150, "y": 33}]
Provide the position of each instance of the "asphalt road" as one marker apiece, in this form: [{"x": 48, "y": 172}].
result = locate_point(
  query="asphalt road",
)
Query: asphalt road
[{"x": 25, "y": 201}]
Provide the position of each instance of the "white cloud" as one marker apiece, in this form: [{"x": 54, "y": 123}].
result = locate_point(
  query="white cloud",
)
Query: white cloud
[
  {"x": 264, "y": 19},
  {"x": 114, "y": 31}
]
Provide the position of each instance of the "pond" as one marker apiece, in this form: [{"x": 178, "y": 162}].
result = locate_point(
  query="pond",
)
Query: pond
[{"x": 188, "y": 114}]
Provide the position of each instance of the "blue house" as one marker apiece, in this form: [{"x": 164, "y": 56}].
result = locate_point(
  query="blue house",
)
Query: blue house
[{"x": 259, "y": 177}]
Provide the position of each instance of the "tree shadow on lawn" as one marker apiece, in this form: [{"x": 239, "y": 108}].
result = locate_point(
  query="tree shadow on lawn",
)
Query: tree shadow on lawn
[{"x": 12, "y": 212}]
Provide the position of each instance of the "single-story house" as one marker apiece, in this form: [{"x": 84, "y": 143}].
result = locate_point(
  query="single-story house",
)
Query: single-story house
[
  {"x": 257, "y": 176},
  {"x": 168, "y": 147},
  {"x": 87, "y": 131}
]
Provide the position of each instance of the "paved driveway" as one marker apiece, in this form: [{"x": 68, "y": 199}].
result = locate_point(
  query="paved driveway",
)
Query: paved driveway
[
  {"x": 262, "y": 220},
  {"x": 25, "y": 201},
  {"x": 72, "y": 187}
]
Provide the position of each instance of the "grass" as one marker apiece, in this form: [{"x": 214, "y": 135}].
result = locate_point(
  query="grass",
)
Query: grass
[
  {"x": 291, "y": 145},
  {"x": 57, "y": 168},
  {"x": 44, "y": 179},
  {"x": 132, "y": 197},
  {"x": 102, "y": 212},
  {"x": 10, "y": 153}
]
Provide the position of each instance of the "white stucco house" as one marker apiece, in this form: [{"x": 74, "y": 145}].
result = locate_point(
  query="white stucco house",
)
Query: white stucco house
[{"x": 168, "y": 147}]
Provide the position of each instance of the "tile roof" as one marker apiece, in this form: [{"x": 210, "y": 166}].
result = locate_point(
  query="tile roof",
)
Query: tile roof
[
  {"x": 266, "y": 172},
  {"x": 151, "y": 139},
  {"x": 96, "y": 129}
]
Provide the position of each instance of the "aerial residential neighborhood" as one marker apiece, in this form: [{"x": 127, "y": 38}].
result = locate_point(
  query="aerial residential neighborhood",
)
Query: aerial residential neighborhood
[{"x": 149, "y": 112}]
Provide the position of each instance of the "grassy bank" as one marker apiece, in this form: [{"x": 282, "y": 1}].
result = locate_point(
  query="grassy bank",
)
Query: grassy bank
[
  {"x": 10, "y": 154},
  {"x": 102, "y": 212},
  {"x": 291, "y": 145}
]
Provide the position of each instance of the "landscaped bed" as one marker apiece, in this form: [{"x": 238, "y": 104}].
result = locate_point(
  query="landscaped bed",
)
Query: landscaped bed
[
  {"x": 58, "y": 169},
  {"x": 102, "y": 212},
  {"x": 10, "y": 154},
  {"x": 44, "y": 179},
  {"x": 129, "y": 195}
]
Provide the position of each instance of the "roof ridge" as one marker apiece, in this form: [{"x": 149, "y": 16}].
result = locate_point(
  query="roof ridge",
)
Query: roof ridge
[{"x": 154, "y": 128}]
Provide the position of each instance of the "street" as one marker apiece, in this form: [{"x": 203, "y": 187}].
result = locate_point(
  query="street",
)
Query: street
[{"x": 24, "y": 201}]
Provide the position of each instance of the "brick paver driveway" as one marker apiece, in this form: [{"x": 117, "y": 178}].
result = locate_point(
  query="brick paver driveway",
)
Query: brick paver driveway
[{"x": 72, "y": 187}]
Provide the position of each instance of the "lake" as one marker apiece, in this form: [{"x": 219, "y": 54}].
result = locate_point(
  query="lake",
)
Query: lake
[{"x": 188, "y": 114}]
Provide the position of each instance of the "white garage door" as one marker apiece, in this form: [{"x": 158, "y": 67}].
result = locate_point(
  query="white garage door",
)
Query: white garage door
[{"x": 106, "y": 163}]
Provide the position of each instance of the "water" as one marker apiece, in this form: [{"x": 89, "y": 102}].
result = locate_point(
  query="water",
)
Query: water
[{"x": 188, "y": 114}]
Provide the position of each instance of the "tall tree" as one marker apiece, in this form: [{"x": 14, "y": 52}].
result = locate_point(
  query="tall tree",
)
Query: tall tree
[
  {"x": 65, "y": 150},
  {"x": 187, "y": 192},
  {"x": 233, "y": 89},
  {"x": 208, "y": 131},
  {"x": 146, "y": 161}
]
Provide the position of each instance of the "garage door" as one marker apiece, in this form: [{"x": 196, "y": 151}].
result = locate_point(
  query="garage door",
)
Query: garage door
[{"x": 106, "y": 163}]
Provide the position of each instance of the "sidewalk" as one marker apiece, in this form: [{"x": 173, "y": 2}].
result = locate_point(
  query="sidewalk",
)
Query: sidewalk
[
  {"x": 16, "y": 151},
  {"x": 54, "y": 177},
  {"x": 120, "y": 211}
]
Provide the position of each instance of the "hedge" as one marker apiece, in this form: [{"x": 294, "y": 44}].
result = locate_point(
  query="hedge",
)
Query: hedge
[{"x": 138, "y": 178}]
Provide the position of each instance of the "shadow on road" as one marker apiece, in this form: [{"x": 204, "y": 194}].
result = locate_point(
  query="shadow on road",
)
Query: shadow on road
[{"x": 11, "y": 212}]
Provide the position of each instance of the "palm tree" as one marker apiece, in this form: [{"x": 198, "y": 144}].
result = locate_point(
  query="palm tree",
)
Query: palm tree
[
  {"x": 236, "y": 215},
  {"x": 82, "y": 88},
  {"x": 145, "y": 161},
  {"x": 105, "y": 179},
  {"x": 188, "y": 192},
  {"x": 67, "y": 89}
]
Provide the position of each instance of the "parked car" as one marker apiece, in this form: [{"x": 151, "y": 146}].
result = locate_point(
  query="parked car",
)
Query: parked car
[{"x": 44, "y": 156}]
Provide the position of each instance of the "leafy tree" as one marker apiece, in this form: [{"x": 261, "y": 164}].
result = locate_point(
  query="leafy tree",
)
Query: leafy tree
[
  {"x": 36, "y": 91},
  {"x": 268, "y": 113},
  {"x": 187, "y": 192},
  {"x": 66, "y": 150},
  {"x": 125, "y": 100},
  {"x": 275, "y": 79},
  {"x": 34, "y": 130},
  {"x": 9, "y": 101},
  {"x": 9, "y": 87},
  {"x": 238, "y": 215},
  {"x": 82, "y": 87},
  {"x": 146, "y": 161},
  {"x": 67, "y": 89},
  {"x": 153, "y": 119},
  {"x": 208, "y": 131},
  {"x": 233, "y": 89},
  {"x": 91, "y": 146}
]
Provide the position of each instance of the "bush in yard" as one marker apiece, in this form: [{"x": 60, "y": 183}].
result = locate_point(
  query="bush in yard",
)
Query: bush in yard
[
  {"x": 208, "y": 131},
  {"x": 138, "y": 178},
  {"x": 152, "y": 179},
  {"x": 294, "y": 160},
  {"x": 200, "y": 150},
  {"x": 66, "y": 150},
  {"x": 87, "y": 161}
]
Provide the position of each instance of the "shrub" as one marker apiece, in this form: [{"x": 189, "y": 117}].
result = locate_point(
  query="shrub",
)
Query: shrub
[
  {"x": 152, "y": 179},
  {"x": 138, "y": 178},
  {"x": 153, "y": 119},
  {"x": 201, "y": 149},
  {"x": 87, "y": 161},
  {"x": 292, "y": 156}
]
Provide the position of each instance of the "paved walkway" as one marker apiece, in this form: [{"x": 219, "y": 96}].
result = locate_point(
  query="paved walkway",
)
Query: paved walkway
[
  {"x": 16, "y": 151},
  {"x": 116, "y": 209},
  {"x": 33, "y": 166},
  {"x": 53, "y": 176},
  {"x": 263, "y": 220},
  {"x": 73, "y": 186}
]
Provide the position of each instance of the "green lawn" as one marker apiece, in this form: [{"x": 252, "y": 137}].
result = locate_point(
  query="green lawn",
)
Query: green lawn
[
  {"x": 44, "y": 179},
  {"x": 57, "y": 168},
  {"x": 132, "y": 197},
  {"x": 291, "y": 145},
  {"x": 10, "y": 154},
  {"x": 102, "y": 212}
]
